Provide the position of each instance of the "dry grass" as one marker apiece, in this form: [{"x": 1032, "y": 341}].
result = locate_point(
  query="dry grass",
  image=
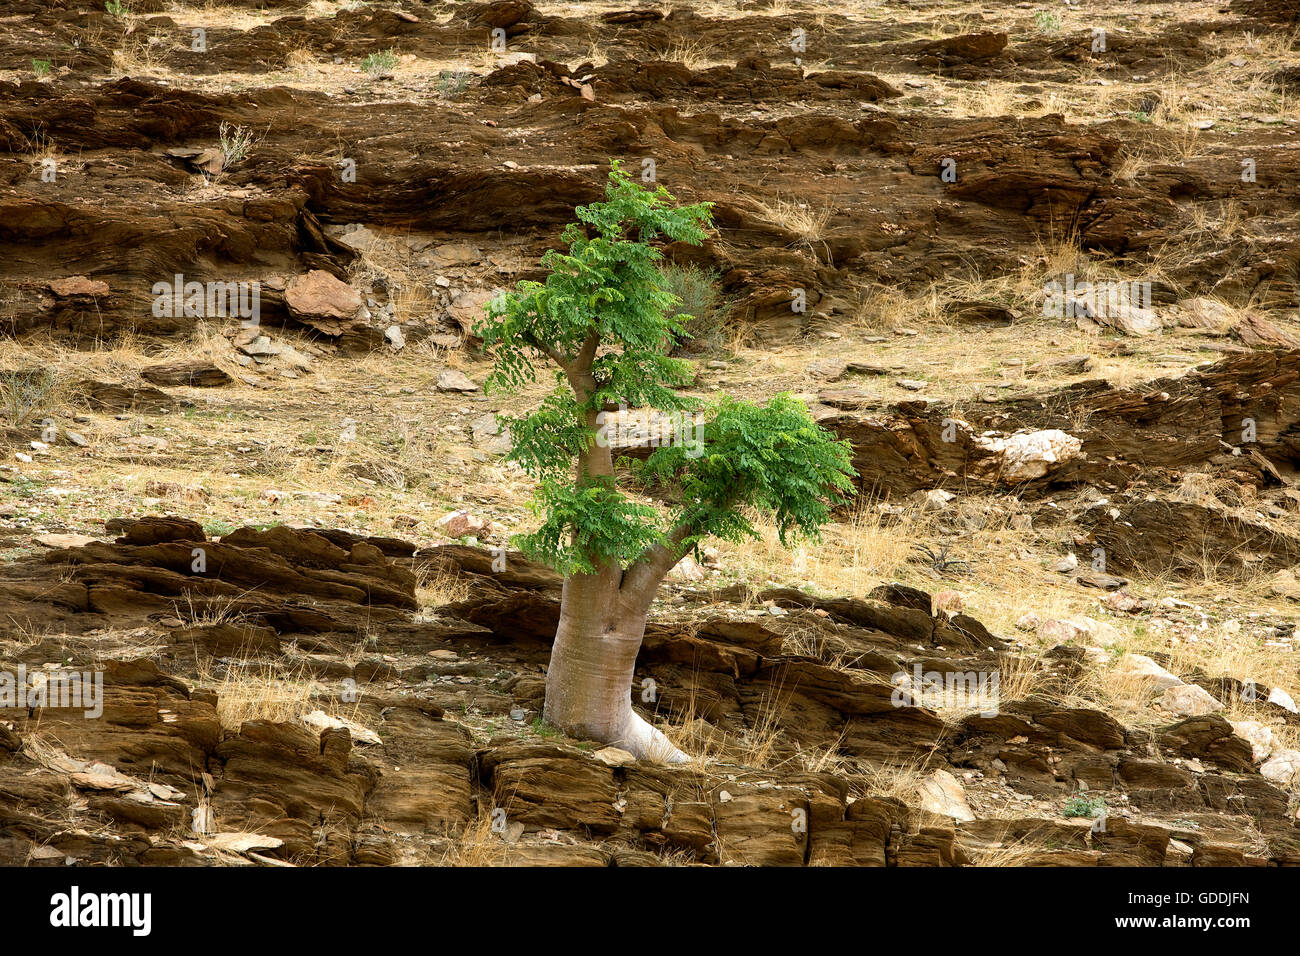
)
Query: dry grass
[
  {"x": 693, "y": 53},
  {"x": 273, "y": 692},
  {"x": 807, "y": 221},
  {"x": 852, "y": 557},
  {"x": 898, "y": 779},
  {"x": 436, "y": 587},
  {"x": 479, "y": 845}
]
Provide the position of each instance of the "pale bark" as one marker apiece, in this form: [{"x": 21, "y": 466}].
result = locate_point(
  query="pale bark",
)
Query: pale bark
[
  {"x": 589, "y": 679},
  {"x": 603, "y": 617}
]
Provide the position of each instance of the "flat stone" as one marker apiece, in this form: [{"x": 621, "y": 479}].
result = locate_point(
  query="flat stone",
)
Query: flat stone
[
  {"x": 78, "y": 285},
  {"x": 453, "y": 380}
]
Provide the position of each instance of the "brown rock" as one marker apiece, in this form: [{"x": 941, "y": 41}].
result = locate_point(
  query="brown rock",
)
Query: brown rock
[
  {"x": 322, "y": 302},
  {"x": 78, "y": 285},
  {"x": 201, "y": 374}
]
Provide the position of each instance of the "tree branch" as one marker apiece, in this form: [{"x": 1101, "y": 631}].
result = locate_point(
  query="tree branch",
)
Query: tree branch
[
  {"x": 643, "y": 576},
  {"x": 555, "y": 355},
  {"x": 587, "y": 354}
]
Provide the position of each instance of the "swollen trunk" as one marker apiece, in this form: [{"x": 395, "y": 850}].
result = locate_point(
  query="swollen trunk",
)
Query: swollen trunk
[{"x": 589, "y": 680}]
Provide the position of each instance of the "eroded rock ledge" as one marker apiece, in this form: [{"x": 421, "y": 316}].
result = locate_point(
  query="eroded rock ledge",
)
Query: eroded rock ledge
[{"x": 794, "y": 708}]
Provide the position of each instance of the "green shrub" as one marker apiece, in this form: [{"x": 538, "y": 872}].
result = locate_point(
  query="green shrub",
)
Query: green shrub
[{"x": 700, "y": 298}]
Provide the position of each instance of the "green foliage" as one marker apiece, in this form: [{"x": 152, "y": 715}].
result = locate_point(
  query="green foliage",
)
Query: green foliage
[
  {"x": 541, "y": 728},
  {"x": 452, "y": 83},
  {"x": 606, "y": 285},
  {"x": 707, "y": 309},
  {"x": 1079, "y": 806},
  {"x": 380, "y": 64},
  {"x": 606, "y": 316},
  {"x": 772, "y": 457},
  {"x": 41, "y": 67},
  {"x": 117, "y": 8},
  {"x": 236, "y": 143},
  {"x": 1047, "y": 21},
  {"x": 546, "y": 443},
  {"x": 587, "y": 525}
]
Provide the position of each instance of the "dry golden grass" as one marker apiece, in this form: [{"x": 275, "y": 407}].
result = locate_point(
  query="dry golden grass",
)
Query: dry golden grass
[
  {"x": 807, "y": 221},
  {"x": 275, "y": 692},
  {"x": 852, "y": 557},
  {"x": 692, "y": 53},
  {"x": 1007, "y": 851},
  {"x": 478, "y": 845},
  {"x": 436, "y": 587},
  {"x": 898, "y": 779}
]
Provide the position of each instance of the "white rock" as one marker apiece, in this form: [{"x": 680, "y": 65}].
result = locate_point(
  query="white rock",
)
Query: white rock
[
  {"x": 936, "y": 499},
  {"x": 1283, "y": 767},
  {"x": 452, "y": 380},
  {"x": 1098, "y": 655},
  {"x": 1189, "y": 700},
  {"x": 1280, "y": 697},
  {"x": 102, "y": 776},
  {"x": 1141, "y": 666},
  {"x": 1067, "y": 563},
  {"x": 458, "y": 524},
  {"x": 1030, "y": 454},
  {"x": 1262, "y": 741},
  {"x": 1112, "y": 306},
  {"x": 687, "y": 569},
  {"x": 942, "y": 793},
  {"x": 318, "y": 721},
  {"x": 1079, "y": 629},
  {"x": 242, "y": 842},
  {"x": 614, "y": 757},
  {"x": 64, "y": 540},
  {"x": 1203, "y": 313},
  {"x": 513, "y": 59}
]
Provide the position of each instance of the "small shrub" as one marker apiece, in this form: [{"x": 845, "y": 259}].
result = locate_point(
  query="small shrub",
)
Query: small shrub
[
  {"x": 41, "y": 67},
  {"x": 25, "y": 391},
  {"x": 452, "y": 83},
  {"x": 380, "y": 64},
  {"x": 217, "y": 527},
  {"x": 700, "y": 298},
  {"x": 236, "y": 143},
  {"x": 1047, "y": 21},
  {"x": 542, "y": 729},
  {"x": 118, "y": 8},
  {"x": 1079, "y": 806}
]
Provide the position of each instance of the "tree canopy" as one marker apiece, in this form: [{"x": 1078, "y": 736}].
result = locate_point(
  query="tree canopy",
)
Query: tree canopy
[{"x": 604, "y": 318}]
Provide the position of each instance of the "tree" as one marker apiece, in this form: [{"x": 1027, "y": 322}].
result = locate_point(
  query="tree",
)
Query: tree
[{"x": 604, "y": 318}]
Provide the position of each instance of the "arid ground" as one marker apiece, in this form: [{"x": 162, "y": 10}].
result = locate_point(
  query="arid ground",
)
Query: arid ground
[{"x": 1039, "y": 263}]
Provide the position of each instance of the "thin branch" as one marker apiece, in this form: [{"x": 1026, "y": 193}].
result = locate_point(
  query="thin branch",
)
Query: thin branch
[
  {"x": 643, "y": 576},
  {"x": 555, "y": 355}
]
